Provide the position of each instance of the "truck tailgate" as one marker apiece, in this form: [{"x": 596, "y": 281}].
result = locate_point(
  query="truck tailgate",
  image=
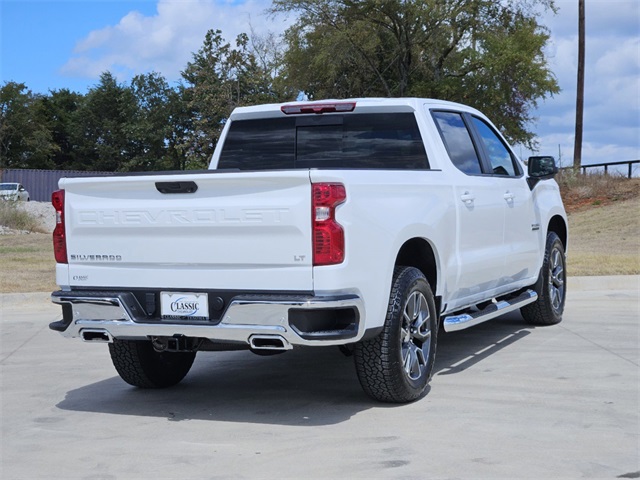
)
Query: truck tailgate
[{"x": 249, "y": 231}]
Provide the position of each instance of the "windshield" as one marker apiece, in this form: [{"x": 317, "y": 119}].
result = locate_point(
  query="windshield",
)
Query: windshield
[{"x": 8, "y": 186}]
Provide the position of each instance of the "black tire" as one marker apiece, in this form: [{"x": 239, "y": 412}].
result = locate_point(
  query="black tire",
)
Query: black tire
[
  {"x": 396, "y": 366},
  {"x": 140, "y": 365},
  {"x": 551, "y": 286}
]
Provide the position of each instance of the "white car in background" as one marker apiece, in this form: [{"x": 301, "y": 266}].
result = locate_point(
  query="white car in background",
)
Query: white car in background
[{"x": 13, "y": 191}]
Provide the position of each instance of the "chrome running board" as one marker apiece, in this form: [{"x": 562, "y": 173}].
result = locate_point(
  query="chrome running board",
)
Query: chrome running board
[{"x": 460, "y": 322}]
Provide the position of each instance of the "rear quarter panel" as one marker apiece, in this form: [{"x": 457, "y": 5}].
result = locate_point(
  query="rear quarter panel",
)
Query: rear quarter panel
[{"x": 384, "y": 209}]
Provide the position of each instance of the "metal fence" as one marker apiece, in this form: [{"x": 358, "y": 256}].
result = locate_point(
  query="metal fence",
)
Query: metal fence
[
  {"x": 42, "y": 183},
  {"x": 606, "y": 166}
]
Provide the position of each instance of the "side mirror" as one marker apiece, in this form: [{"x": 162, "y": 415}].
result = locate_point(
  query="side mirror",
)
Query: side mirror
[
  {"x": 22, "y": 189},
  {"x": 542, "y": 168}
]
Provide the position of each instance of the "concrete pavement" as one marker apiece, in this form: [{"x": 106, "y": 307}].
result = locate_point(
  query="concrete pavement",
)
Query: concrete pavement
[{"x": 508, "y": 401}]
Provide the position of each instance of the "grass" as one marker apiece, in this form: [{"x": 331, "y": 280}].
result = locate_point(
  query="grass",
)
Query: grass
[
  {"x": 605, "y": 239},
  {"x": 27, "y": 263},
  {"x": 604, "y": 223}
]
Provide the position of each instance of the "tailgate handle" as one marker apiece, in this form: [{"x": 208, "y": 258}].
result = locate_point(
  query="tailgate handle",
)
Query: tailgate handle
[{"x": 176, "y": 187}]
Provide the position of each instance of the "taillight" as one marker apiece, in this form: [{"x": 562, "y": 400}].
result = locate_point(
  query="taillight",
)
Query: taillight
[
  {"x": 328, "y": 235},
  {"x": 59, "y": 239}
]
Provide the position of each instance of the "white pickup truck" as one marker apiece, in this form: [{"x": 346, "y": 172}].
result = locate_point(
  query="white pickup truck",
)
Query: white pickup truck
[{"x": 366, "y": 223}]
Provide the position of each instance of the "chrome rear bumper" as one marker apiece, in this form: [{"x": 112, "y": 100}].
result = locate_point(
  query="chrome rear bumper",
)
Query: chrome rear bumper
[{"x": 245, "y": 316}]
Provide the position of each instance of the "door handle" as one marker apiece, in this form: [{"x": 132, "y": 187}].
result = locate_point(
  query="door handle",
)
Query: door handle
[
  {"x": 467, "y": 198},
  {"x": 509, "y": 196}
]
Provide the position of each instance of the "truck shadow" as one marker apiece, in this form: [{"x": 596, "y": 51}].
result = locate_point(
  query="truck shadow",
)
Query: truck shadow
[
  {"x": 459, "y": 351},
  {"x": 304, "y": 387}
]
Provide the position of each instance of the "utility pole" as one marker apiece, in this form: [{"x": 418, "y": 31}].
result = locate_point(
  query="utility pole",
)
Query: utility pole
[
  {"x": 577, "y": 149},
  {"x": 559, "y": 156}
]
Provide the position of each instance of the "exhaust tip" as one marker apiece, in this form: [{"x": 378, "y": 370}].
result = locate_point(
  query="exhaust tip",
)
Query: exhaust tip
[
  {"x": 96, "y": 335},
  {"x": 269, "y": 342}
]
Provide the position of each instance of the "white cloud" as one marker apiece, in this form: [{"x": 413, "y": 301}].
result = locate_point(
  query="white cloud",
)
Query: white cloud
[
  {"x": 612, "y": 82},
  {"x": 614, "y": 17},
  {"x": 165, "y": 41},
  {"x": 618, "y": 57},
  {"x": 560, "y": 145}
]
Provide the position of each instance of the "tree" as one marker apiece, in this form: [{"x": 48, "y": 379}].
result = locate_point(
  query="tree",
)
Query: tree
[
  {"x": 25, "y": 140},
  {"x": 60, "y": 109},
  {"x": 484, "y": 53},
  {"x": 268, "y": 55},
  {"x": 218, "y": 79},
  {"x": 103, "y": 131},
  {"x": 151, "y": 125},
  {"x": 511, "y": 77}
]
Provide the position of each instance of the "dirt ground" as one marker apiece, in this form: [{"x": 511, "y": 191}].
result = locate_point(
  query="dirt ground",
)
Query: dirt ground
[{"x": 585, "y": 192}]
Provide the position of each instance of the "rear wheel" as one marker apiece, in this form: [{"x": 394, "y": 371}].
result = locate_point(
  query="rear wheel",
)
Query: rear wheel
[
  {"x": 140, "y": 365},
  {"x": 551, "y": 288},
  {"x": 396, "y": 366}
]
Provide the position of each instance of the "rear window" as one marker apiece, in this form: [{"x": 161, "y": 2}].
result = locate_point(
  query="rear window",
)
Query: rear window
[{"x": 354, "y": 141}]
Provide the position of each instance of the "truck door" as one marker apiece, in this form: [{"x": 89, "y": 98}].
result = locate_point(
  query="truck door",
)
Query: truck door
[
  {"x": 480, "y": 214},
  {"x": 521, "y": 231}
]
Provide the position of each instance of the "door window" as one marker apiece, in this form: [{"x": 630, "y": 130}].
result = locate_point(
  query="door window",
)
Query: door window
[
  {"x": 457, "y": 141},
  {"x": 499, "y": 155}
]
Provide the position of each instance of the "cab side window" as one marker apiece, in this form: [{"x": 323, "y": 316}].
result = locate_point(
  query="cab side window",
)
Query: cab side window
[
  {"x": 458, "y": 142},
  {"x": 500, "y": 158}
]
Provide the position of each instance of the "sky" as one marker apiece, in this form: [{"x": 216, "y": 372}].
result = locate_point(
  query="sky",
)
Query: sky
[{"x": 54, "y": 44}]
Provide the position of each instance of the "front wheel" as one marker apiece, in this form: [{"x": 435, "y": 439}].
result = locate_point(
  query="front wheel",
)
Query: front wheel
[
  {"x": 396, "y": 366},
  {"x": 552, "y": 286},
  {"x": 140, "y": 365}
]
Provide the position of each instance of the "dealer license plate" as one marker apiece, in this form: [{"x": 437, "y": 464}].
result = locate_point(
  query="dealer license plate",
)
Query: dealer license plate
[{"x": 184, "y": 306}]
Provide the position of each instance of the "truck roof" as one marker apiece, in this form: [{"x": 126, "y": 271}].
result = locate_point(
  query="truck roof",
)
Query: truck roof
[{"x": 370, "y": 105}]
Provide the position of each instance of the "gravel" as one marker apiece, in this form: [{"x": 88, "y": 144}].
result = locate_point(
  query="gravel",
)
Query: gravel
[{"x": 44, "y": 212}]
